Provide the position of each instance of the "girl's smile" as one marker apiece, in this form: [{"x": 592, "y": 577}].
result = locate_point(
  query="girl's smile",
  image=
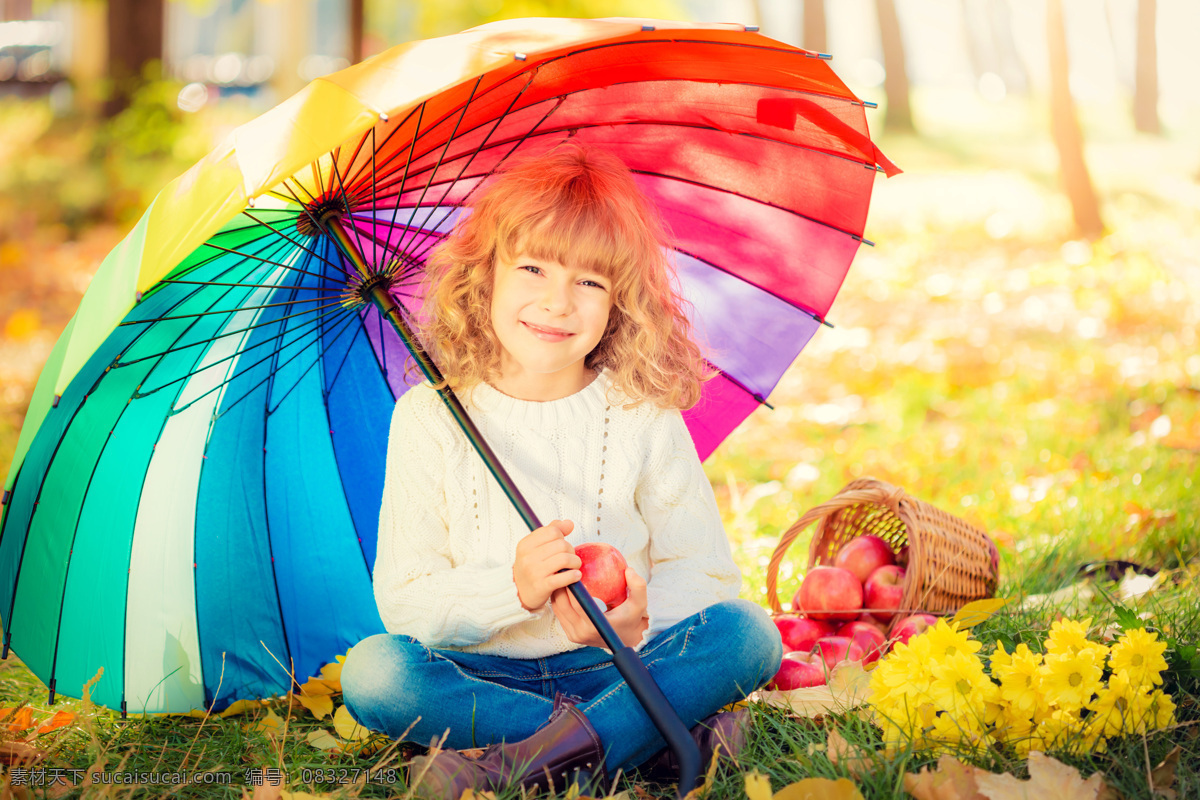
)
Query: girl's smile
[{"x": 547, "y": 318}]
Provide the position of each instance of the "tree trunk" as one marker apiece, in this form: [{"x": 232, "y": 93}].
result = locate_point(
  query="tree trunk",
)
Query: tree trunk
[
  {"x": 135, "y": 43},
  {"x": 895, "y": 84},
  {"x": 1067, "y": 136},
  {"x": 816, "y": 35},
  {"x": 1145, "y": 86},
  {"x": 356, "y": 31}
]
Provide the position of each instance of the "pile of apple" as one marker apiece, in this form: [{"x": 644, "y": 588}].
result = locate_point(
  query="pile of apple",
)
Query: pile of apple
[{"x": 841, "y": 613}]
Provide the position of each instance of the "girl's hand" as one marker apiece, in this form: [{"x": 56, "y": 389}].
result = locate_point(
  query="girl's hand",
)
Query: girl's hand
[
  {"x": 628, "y": 619},
  {"x": 540, "y": 556}
]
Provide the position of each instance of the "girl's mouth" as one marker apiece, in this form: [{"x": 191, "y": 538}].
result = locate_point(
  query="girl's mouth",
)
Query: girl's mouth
[{"x": 549, "y": 336}]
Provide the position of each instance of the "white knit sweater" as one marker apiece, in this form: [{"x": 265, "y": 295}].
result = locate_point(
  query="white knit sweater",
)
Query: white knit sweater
[{"x": 448, "y": 534}]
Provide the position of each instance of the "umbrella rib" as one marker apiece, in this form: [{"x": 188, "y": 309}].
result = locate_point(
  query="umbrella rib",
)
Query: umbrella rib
[
  {"x": 227, "y": 407},
  {"x": 778, "y": 297},
  {"x": 757, "y": 397},
  {"x": 339, "y": 316},
  {"x": 250, "y": 285},
  {"x": 234, "y": 310},
  {"x": 449, "y": 141},
  {"x": 420, "y": 253},
  {"x": 342, "y": 189},
  {"x": 358, "y": 329},
  {"x": 412, "y": 146},
  {"x": 398, "y": 127},
  {"x": 301, "y": 246},
  {"x": 478, "y": 149},
  {"x": 272, "y": 263},
  {"x": 119, "y": 364}
]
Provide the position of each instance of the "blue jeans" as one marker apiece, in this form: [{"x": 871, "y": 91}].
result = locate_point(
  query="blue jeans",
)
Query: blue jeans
[{"x": 705, "y": 662}]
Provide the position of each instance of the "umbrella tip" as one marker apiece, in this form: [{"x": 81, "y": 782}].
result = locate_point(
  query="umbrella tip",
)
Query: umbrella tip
[
  {"x": 383, "y": 117},
  {"x": 520, "y": 56},
  {"x": 54, "y": 403},
  {"x": 4, "y": 500},
  {"x": 750, "y": 28},
  {"x": 647, "y": 27}
]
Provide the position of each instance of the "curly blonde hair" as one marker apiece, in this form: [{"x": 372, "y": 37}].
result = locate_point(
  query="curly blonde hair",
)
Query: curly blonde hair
[{"x": 578, "y": 206}]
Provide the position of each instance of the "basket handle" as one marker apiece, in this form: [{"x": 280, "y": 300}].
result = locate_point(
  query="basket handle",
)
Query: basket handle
[{"x": 865, "y": 490}]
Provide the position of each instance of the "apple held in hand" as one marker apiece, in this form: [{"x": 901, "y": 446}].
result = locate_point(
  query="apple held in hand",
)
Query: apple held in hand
[
  {"x": 829, "y": 593},
  {"x": 799, "y": 671},
  {"x": 833, "y": 650},
  {"x": 867, "y": 635},
  {"x": 862, "y": 555},
  {"x": 603, "y": 573},
  {"x": 884, "y": 591},
  {"x": 799, "y": 632},
  {"x": 912, "y": 625}
]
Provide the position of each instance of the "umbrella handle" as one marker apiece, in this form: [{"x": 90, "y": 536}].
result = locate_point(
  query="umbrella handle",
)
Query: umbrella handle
[{"x": 627, "y": 662}]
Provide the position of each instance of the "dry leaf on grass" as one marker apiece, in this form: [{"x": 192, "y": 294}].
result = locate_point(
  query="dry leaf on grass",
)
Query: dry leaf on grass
[
  {"x": 977, "y": 611},
  {"x": 952, "y": 780},
  {"x": 323, "y": 740},
  {"x": 758, "y": 787},
  {"x": 1162, "y": 777},
  {"x": 321, "y": 706},
  {"x": 1048, "y": 778},
  {"x": 347, "y": 727},
  {"x": 853, "y": 759},
  {"x": 272, "y": 723},
  {"x": 848, "y": 688}
]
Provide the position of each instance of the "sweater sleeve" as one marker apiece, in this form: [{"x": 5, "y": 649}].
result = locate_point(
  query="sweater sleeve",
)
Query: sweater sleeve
[
  {"x": 418, "y": 590},
  {"x": 691, "y": 564}
]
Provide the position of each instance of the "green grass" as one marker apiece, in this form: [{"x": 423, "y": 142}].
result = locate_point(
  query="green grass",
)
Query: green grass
[{"x": 981, "y": 361}]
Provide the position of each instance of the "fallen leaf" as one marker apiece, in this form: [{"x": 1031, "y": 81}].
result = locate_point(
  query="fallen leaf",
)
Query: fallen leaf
[
  {"x": 22, "y": 719},
  {"x": 820, "y": 789},
  {"x": 347, "y": 727},
  {"x": 315, "y": 687},
  {"x": 323, "y": 740},
  {"x": 321, "y": 706},
  {"x": 332, "y": 674},
  {"x": 271, "y": 723},
  {"x": 952, "y": 780},
  {"x": 1162, "y": 777},
  {"x": 842, "y": 753},
  {"x": 1048, "y": 778},
  {"x": 19, "y": 753},
  {"x": 977, "y": 611},
  {"x": 848, "y": 688},
  {"x": 758, "y": 786},
  {"x": 61, "y": 719},
  {"x": 240, "y": 707}
]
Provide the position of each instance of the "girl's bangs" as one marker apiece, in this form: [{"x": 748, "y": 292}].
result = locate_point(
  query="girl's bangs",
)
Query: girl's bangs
[{"x": 577, "y": 239}]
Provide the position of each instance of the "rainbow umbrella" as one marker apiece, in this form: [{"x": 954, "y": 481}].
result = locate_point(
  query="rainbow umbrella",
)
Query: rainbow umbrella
[{"x": 194, "y": 499}]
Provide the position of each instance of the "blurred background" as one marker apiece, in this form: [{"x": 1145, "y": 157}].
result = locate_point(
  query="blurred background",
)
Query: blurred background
[{"x": 1019, "y": 345}]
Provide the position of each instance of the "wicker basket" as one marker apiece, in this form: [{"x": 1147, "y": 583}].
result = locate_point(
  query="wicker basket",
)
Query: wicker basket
[{"x": 949, "y": 560}]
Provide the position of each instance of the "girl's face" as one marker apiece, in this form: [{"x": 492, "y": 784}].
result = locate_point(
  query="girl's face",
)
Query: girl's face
[{"x": 547, "y": 317}]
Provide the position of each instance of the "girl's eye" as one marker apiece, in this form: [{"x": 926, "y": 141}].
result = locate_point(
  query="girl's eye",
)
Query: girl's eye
[
  {"x": 531, "y": 268},
  {"x": 593, "y": 283}
]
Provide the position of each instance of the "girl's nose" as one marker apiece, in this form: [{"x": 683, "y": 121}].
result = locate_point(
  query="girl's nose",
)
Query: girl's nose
[{"x": 556, "y": 298}]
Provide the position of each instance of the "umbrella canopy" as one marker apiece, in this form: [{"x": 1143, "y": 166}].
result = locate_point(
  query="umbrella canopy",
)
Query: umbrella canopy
[{"x": 194, "y": 500}]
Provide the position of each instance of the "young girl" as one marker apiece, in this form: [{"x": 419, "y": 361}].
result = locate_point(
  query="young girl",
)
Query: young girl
[{"x": 553, "y": 317}]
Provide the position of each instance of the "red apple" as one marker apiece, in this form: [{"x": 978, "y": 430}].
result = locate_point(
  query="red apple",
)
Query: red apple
[
  {"x": 603, "y": 573},
  {"x": 912, "y": 625},
  {"x": 799, "y": 632},
  {"x": 798, "y": 671},
  {"x": 862, "y": 555},
  {"x": 867, "y": 635},
  {"x": 884, "y": 591},
  {"x": 830, "y": 593},
  {"x": 836, "y": 649},
  {"x": 870, "y": 620}
]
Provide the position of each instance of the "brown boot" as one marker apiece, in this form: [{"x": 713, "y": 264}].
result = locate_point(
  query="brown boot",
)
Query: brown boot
[
  {"x": 726, "y": 729},
  {"x": 565, "y": 750}
]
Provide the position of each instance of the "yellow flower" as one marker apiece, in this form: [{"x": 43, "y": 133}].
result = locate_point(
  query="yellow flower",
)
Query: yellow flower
[
  {"x": 1115, "y": 705},
  {"x": 944, "y": 640},
  {"x": 1068, "y": 636},
  {"x": 1161, "y": 710},
  {"x": 1069, "y": 681},
  {"x": 1020, "y": 679},
  {"x": 1139, "y": 654},
  {"x": 1066, "y": 730},
  {"x": 959, "y": 684}
]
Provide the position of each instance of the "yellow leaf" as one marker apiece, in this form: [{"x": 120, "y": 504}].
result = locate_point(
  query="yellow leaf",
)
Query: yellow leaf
[
  {"x": 22, "y": 719},
  {"x": 323, "y": 740},
  {"x": 59, "y": 720},
  {"x": 321, "y": 706},
  {"x": 848, "y": 688},
  {"x": 758, "y": 786},
  {"x": 271, "y": 723},
  {"x": 332, "y": 675},
  {"x": 952, "y": 780},
  {"x": 347, "y": 727},
  {"x": 977, "y": 611},
  {"x": 820, "y": 789},
  {"x": 1048, "y": 778},
  {"x": 240, "y": 707},
  {"x": 315, "y": 687},
  {"x": 846, "y": 755}
]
